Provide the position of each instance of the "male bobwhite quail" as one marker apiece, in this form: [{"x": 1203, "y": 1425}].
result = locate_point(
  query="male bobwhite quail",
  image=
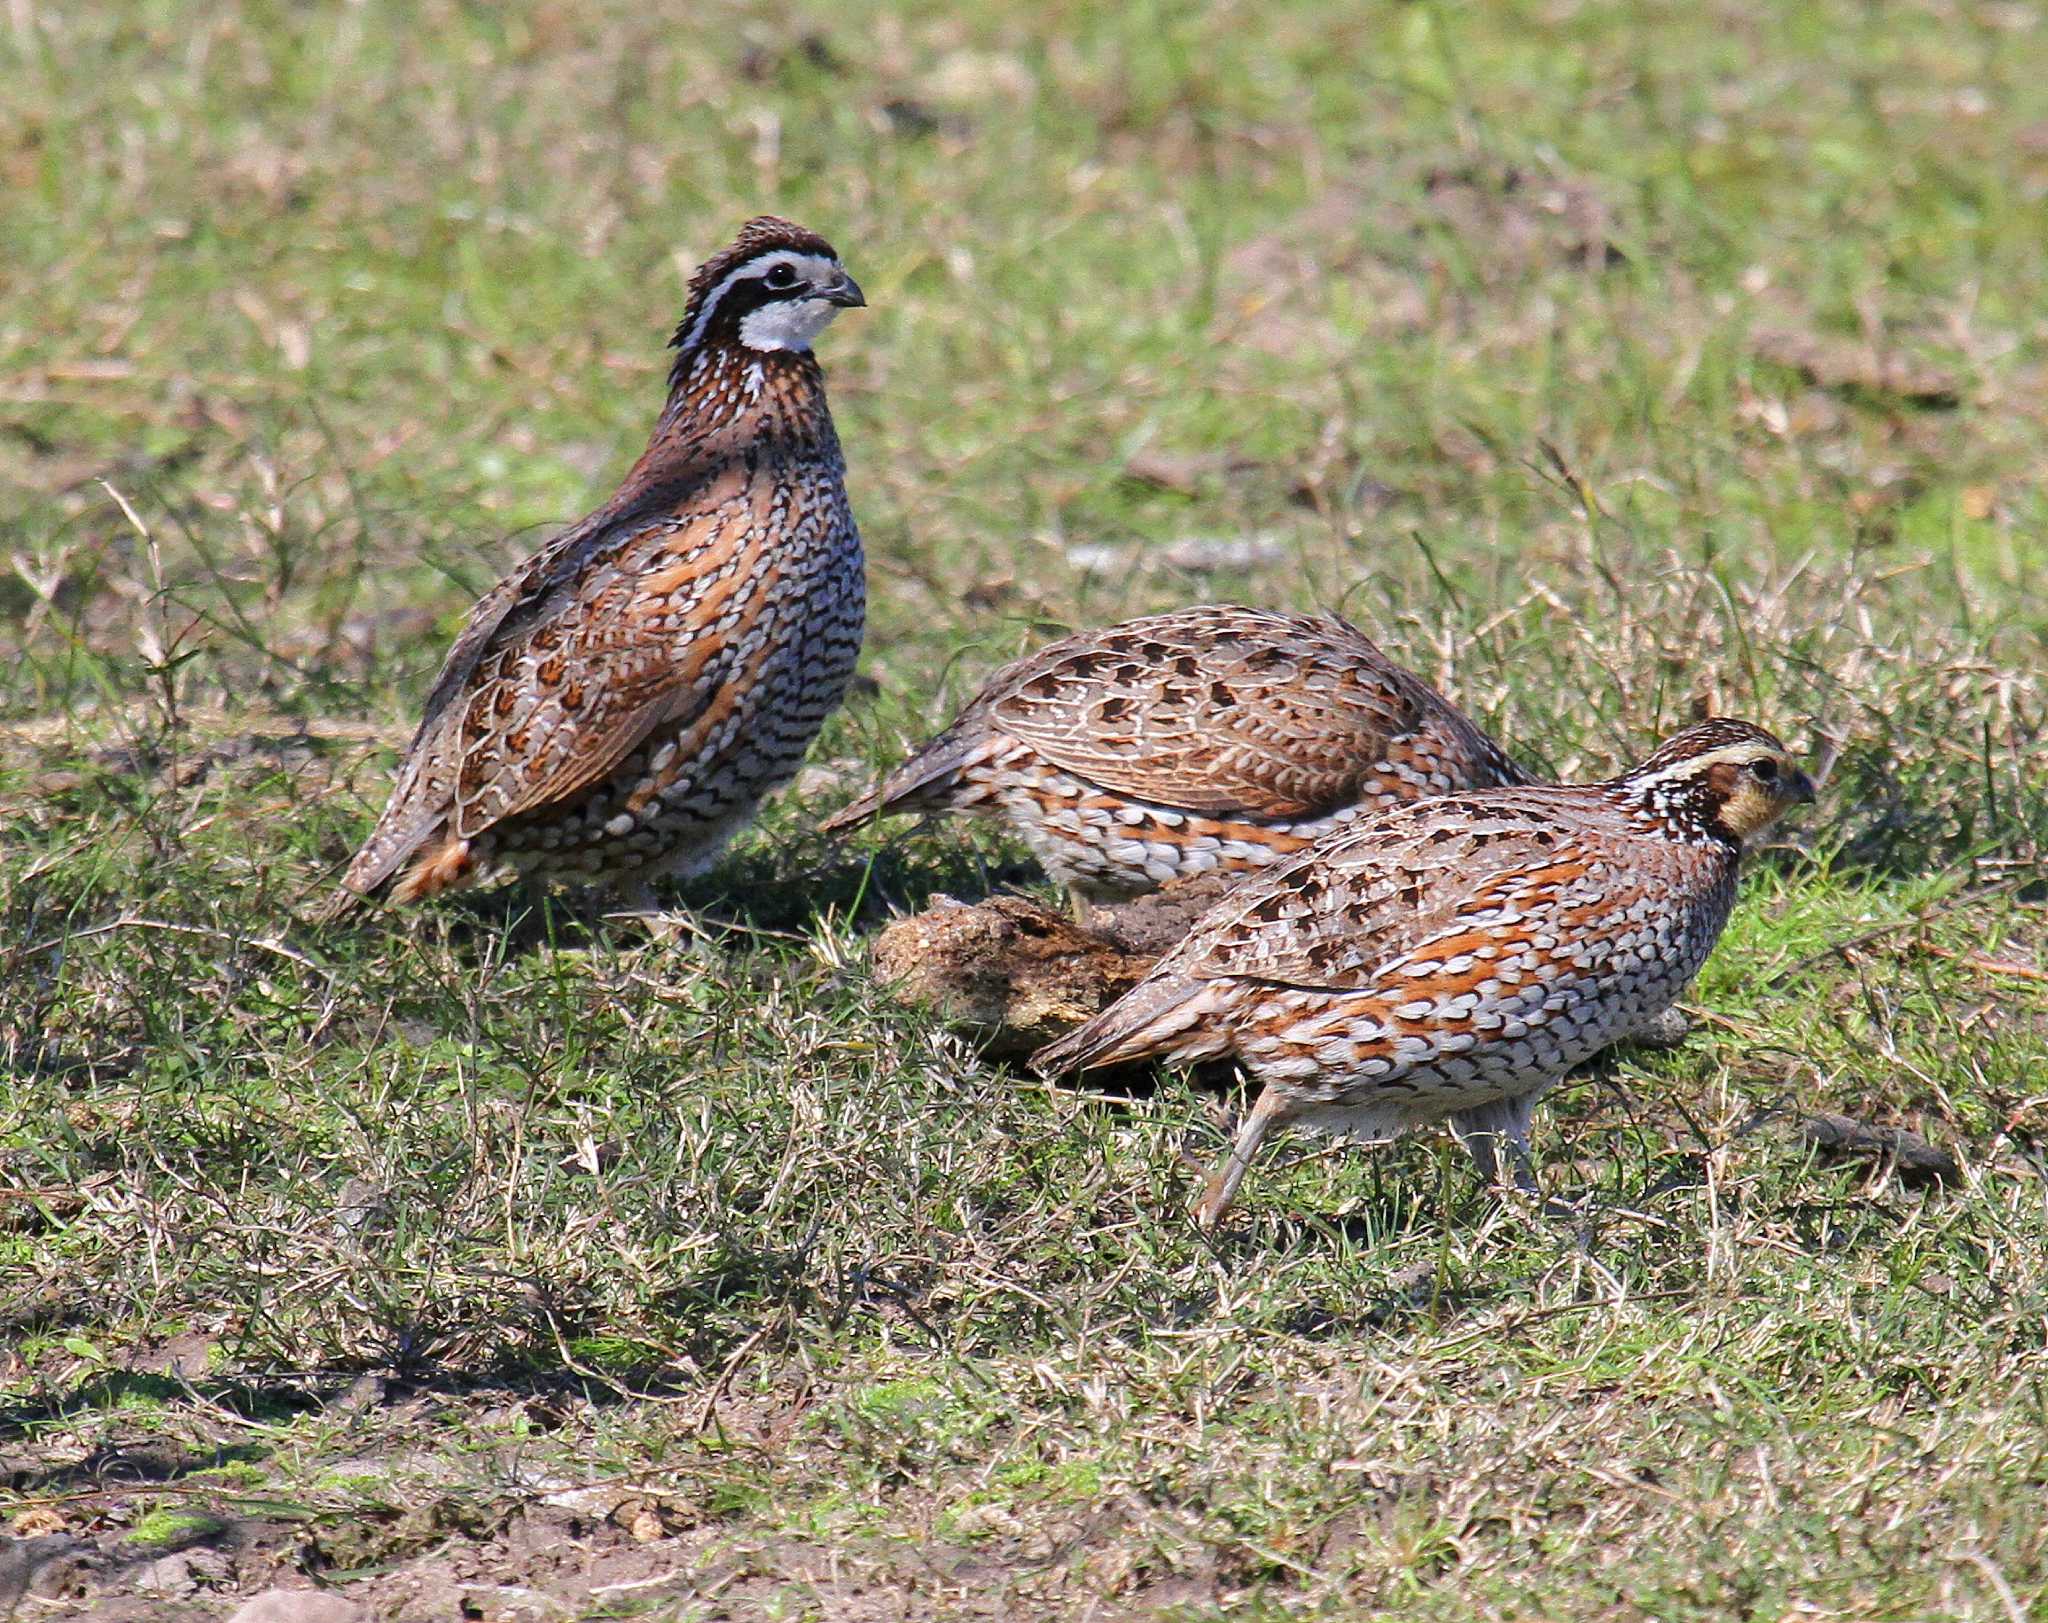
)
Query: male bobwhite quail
[
  {"x": 619, "y": 704},
  {"x": 1214, "y": 738},
  {"x": 1453, "y": 958}
]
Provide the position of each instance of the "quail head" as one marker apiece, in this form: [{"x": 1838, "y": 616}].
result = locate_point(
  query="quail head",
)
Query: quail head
[
  {"x": 1451, "y": 959},
  {"x": 619, "y": 704}
]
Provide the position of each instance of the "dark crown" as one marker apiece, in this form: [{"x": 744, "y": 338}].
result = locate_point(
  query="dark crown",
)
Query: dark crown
[{"x": 1720, "y": 733}]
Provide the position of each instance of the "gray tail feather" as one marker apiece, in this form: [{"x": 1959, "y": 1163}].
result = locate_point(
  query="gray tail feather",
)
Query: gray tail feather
[
  {"x": 1155, "y": 1019},
  {"x": 373, "y": 869},
  {"x": 338, "y": 905},
  {"x": 864, "y": 810},
  {"x": 922, "y": 783},
  {"x": 369, "y": 875}
]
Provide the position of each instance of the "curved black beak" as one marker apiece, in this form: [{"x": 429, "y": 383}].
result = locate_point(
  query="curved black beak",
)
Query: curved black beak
[
  {"x": 846, "y": 291},
  {"x": 1800, "y": 790}
]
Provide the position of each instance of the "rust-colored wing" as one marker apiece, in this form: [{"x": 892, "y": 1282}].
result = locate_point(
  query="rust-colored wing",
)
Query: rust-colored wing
[
  {"x": 1228, "y": 710},
  {"x": 640, "y": 642},
  {"x": 1460, "y": 875},
  {"x": 422, "y": 798},
  {"x": 565, "y": 668},
  {"x": 1427, "y": 909}
]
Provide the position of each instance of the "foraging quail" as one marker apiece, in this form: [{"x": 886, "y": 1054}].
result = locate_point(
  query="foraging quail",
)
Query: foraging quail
[
  {"x": 1453, "y": 958},
  {"x": 619, "y": 704},
  {"x": 1214, "y": 738}
]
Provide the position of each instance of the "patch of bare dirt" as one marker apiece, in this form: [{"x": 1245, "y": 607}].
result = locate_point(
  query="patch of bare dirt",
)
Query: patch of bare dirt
[
  {"x": 114, "y": 1579},
  {"x": 603, "y": 1552}
]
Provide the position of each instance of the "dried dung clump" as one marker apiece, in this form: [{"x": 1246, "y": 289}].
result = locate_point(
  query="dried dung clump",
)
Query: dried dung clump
[{"x": 1009, "y": 970}]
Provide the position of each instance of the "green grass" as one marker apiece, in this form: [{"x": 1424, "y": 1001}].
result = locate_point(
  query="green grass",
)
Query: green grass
[{"x": 480, "y": 1230}]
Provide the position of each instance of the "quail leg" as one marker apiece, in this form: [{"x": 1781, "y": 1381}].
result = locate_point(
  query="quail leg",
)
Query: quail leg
[
  {"x": 636, "y": 904},
  {"x": 637, "y": 900},
  {"x": 1487, "y": 1130},
  {"x": 1221, "y": 1189}
]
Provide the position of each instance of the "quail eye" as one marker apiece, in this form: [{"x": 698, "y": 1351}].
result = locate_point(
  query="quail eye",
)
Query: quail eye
[
  {"x": 780, "y": 277},
  {"x": 1766, "y": 770}
]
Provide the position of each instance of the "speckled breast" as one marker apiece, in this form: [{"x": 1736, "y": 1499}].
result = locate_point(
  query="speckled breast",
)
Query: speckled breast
[{"x": 670, "y": 805}]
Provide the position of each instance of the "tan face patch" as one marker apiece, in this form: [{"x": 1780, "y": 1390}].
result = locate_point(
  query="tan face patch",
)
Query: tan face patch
[{"x": 1747, "y": 806}]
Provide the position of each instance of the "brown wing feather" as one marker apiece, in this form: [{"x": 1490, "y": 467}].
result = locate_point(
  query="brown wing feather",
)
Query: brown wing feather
[
  {"x": 556, "y": 678},
  {"x": 1334, "y": 915},
  {"x": 927, "y": 775},
  {"x": 554, "y": 711},
  {"x": 421, "y": 799},
  {"x": 1342, "y": 914},
  {"x": 1221, "y": 710}
]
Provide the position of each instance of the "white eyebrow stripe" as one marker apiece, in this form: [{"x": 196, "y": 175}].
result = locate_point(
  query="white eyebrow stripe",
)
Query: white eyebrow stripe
[
  {"x": 1744, "y": 754},
  {"x": 809, "y": 265}
]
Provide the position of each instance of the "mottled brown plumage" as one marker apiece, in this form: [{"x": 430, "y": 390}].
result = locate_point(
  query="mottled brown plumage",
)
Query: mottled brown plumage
[
  {"x": 1212, "y": 738},
  {"x": 618, "y": 705},
  {"x": 1453, "y": 958}
]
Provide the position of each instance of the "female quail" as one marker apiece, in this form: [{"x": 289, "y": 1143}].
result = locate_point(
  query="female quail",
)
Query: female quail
[
  {"x": 1214, "y": 738},
  {"x": 619, "y": 704},
  {"x": 1453, "y": 958}
]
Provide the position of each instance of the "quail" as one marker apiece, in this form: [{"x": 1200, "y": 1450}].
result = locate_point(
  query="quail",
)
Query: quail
[
  {"x": 1211, "y": 739},
  {"x": 618, "y": 705},
  {"x": 1451, "y": 959}
]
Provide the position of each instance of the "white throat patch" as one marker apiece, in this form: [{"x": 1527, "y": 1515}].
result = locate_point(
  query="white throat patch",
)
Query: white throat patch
[
  {"x": 1694, "y": 767},
  {"x": 787, "y": 323}
]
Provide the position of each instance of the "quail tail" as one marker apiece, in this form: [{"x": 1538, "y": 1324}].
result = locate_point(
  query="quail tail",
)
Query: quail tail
[
  {"x": 925, "y": 782},
  {"x": 1164, "y": 1019},
  {"x": 338, "y": 906}
]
